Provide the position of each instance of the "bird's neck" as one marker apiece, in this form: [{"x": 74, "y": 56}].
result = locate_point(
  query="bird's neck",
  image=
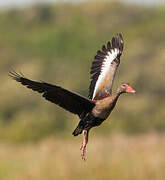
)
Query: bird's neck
[{"x": 116, "y": 96}]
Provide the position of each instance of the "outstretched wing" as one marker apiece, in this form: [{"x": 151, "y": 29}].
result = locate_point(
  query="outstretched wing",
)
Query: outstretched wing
[
  {"x": 104, "y": 68},
  {"x": 68, "y": 100}
]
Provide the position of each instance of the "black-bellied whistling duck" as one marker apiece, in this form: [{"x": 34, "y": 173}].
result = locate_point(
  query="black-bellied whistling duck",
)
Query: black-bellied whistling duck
[{"x": 93, "y": 111}]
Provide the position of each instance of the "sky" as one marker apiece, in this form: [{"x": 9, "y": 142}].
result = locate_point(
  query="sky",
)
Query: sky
[{"x": 23, "y": 3}]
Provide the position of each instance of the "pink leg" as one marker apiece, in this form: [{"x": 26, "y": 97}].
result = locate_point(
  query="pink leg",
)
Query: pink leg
[{"x": 84, "y": 143}]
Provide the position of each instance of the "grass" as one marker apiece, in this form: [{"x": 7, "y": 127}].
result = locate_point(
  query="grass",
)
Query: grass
[
  {"x": 114, "y": 157},
  {"x": 55, "y": 43}
]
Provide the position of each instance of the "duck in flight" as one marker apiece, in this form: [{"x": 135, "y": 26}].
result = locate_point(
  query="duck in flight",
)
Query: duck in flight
[{"x": 94, "y": 110}]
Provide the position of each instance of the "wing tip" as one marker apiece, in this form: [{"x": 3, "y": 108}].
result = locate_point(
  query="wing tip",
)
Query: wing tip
[
  {"x": 14, "y": 75},
  {"x": 118, "y": 42}
]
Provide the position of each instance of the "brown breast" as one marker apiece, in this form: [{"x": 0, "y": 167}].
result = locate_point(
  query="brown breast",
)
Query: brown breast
[{"x": 104, "y": 107}]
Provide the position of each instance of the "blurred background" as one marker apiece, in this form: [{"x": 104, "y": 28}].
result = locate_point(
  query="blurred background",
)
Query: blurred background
[{"x": 56, "y": 41}]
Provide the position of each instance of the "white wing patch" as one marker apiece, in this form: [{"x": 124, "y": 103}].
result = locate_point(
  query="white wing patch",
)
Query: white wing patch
[{"x": 105, "y": 68}]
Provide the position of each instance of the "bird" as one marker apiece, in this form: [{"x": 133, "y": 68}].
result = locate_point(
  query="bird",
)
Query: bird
[{"x": 95, "y": 109}]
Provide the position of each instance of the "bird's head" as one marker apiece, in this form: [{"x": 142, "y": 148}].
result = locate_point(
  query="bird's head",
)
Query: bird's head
[{"x": 126, "y": 88}]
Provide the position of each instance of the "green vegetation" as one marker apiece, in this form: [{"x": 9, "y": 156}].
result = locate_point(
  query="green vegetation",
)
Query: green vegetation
[{"x": 56, "y": 43}]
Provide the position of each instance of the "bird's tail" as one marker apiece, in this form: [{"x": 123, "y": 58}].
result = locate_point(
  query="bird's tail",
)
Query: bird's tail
[
  {"x": 77, "y": 131},
  {"x": 79, "y": 128},
  {"x": 84, "y": 124}
]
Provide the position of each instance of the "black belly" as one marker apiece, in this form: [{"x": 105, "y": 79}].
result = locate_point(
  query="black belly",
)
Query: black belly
[{"x": 87, "y": 123}]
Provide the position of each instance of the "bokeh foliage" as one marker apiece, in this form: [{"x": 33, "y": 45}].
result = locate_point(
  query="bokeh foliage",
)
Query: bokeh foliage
[{"x": 56, "y": 43}]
